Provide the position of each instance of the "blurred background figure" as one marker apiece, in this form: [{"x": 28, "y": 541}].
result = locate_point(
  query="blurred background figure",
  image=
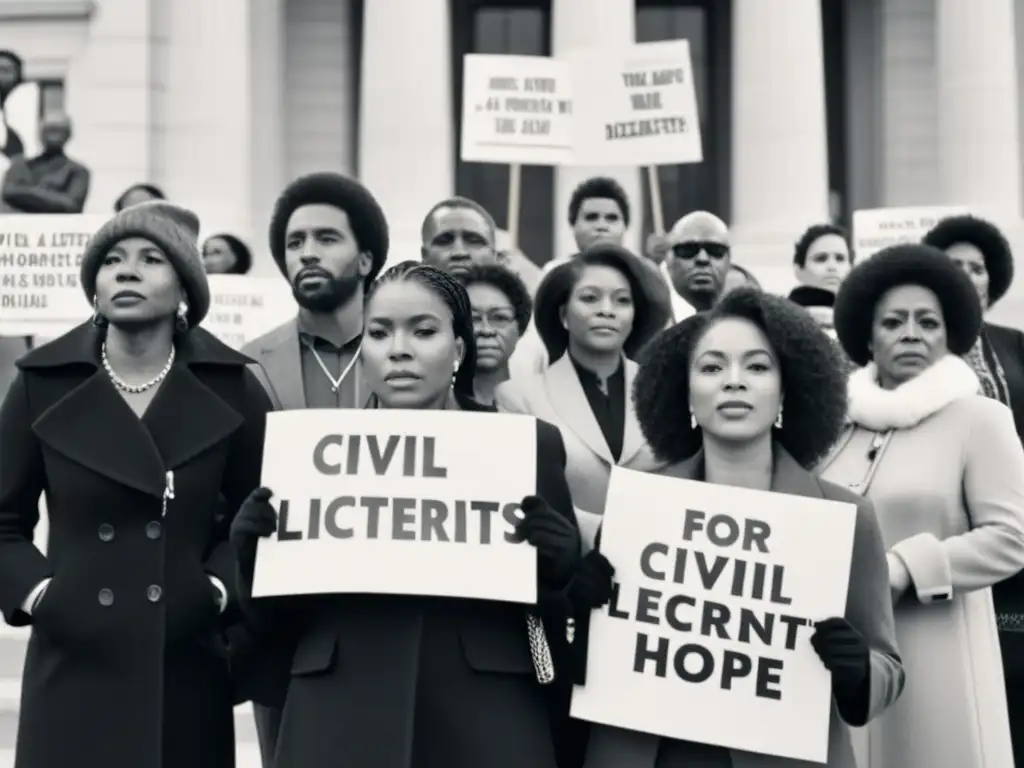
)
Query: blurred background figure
[
  {"x": 50, "y": 182},
  {"x": 738, "y": 277},
  {"x": 225, "y": 254},
  {"x": 138, "y": 193},
  {"x": 517, "y": 262}
]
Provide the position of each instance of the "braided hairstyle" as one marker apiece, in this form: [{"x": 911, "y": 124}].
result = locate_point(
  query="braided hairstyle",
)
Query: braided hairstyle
[{"x": 451, "y": 292}]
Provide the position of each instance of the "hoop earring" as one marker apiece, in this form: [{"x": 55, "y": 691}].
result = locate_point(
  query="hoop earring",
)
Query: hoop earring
[
  {"x": 98, "y": 319},
  {"x": 778, "y": 419},
  {"x": 181, "y": 317}
]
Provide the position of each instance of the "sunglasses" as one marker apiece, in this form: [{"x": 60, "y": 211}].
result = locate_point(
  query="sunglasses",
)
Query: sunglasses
[{"x": 689, "y": 250}]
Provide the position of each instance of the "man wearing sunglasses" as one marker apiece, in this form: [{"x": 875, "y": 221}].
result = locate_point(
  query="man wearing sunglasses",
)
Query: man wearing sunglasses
[{"x": 698, "y": 263}]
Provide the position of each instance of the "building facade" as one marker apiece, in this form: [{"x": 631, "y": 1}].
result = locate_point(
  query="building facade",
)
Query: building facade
[{"x": 807, "y": 106}]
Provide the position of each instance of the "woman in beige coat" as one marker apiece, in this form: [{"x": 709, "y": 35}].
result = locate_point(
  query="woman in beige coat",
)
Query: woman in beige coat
[
  {"x": 593, "y": 314},
  {"x": 751, "y": 395},
  {"x": 945, "y": 470}
]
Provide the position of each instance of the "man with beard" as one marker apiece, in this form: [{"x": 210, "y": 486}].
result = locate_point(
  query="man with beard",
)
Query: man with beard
[
  {"x": 698, "y": 264},
  {"x": 457, "y": 234},
  {"x": 329, "y": 238}
]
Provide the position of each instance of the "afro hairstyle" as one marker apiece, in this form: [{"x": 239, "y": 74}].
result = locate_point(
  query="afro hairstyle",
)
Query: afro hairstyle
[
  {"x": 506, "y": 281},
  {"x": 987, "y": 238},
  {"x": 651, "y": 313},
  {"x": 895, "y": 266},
  {"x": 811, "y": 235},
  {"x": 602, "y": 188},
  {"x": 812, "y": 372},
  {"x": 365, "y": 215}
]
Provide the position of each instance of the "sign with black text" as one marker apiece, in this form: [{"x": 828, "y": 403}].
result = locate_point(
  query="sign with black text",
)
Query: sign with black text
[
  {"x": 707, "y": 636},
  {"x": 398, "y": 502}
]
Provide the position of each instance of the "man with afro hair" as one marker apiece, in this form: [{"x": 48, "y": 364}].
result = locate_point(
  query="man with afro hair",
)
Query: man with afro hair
[{"x": 329, "y": 238}]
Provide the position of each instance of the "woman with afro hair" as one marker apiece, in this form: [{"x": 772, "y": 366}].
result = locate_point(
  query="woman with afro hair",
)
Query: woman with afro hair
[
  {"x": 945, "y": 470},
  {"x": 751, "y": 394}
]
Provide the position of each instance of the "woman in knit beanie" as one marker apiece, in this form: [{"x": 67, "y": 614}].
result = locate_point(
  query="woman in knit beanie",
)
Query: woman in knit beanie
[{"x": 141, "y": 429}]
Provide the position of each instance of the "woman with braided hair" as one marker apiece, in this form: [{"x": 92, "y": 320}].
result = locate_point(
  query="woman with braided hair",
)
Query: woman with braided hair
[{"x": 394, "y": 681}]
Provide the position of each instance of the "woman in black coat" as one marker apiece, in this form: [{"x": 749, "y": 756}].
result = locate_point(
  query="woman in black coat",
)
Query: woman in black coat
[
  {"x": 981, "y": 250},
  {"x": 393, "y": 681},
  {"x": 133, "y": 425}
]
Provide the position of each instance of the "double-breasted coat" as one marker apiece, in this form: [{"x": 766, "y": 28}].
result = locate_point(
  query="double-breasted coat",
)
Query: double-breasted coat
[
  {"x": 868, "y": 609},
  {"x": 411, "y": 682},
  {"x": 125, "y": 664}
]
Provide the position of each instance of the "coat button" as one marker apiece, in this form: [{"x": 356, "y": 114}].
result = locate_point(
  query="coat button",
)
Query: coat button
[
  {"x": 154, "y": 593},
  {"x": 153, "y": 530},
  {"x": 106, "y": 532},
  {"x": 106, "y": 597}
]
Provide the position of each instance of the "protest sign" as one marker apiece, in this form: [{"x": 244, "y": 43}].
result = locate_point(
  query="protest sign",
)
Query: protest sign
[
  {"x": 707, "y": 636},
  {"x": 635, "y": 106},
  {"x": 878, "y": 228},
  {"x": 398, "y": 502},
  {"x": 516, "y": 109},
  {"x": 40, "y": 258},
  {"x": 243, "y": 308}
]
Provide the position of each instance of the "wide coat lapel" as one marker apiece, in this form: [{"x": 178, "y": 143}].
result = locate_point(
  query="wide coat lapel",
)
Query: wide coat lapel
[
  {"x": 281, "y": 361},
  {"x": 184, "y": 419},
  {"x": 572, "y": 407},
  {"x": 632, "y": 438}
]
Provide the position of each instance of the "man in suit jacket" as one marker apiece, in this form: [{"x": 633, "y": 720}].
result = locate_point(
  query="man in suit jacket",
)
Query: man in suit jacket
[{"x": 329, "y": 238}]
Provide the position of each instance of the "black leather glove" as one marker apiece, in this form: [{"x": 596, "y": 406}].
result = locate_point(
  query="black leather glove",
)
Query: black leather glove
[
  {"x": 845, "y": 653},
  {"x": 555, "y": 538},
  {"x": 255, "y": 520},
  {"x": 591, "y": 585}
]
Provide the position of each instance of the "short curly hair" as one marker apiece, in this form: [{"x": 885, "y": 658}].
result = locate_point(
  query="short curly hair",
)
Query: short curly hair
[
  {"x": 987, "y": 238},
  {"x": 651, "y": 314},
  {"x": 601, "y": 187},
  {"x": 811, "y": 235},
  {"x": 906, "y": 264},
  {"x": 506, "y": 281},
  {"x": 813, "y": 380}
]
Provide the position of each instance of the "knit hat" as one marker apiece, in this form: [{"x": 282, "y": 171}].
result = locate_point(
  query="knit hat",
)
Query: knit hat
[
  {"x": 174, "y": 229},
  {"x": 364, "y": 214}
]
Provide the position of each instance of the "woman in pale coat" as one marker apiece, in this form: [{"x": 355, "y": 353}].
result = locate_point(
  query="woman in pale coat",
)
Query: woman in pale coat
[
  {"x": 592, "y": 314},
  {"x": 945, "y": 470},
  {"x": 752, "y": 395}
]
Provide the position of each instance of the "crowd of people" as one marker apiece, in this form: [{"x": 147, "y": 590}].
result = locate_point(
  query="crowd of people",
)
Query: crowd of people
[{"x": 877, "y": 384}]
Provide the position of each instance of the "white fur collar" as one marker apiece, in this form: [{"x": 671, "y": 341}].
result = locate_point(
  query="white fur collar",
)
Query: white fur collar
[{"x": 911, "y": 402}]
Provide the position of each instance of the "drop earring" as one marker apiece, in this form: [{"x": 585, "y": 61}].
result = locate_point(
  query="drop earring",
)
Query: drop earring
[
  {"x": 97, "y": 319},
  {"x": 778, "y": 419},
  {"x": 181, "y": 317},
  {"x": 693, "y": 420}
]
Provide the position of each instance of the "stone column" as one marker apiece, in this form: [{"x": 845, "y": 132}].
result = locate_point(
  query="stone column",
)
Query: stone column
[
  {"x": 979, "y": 139},
  {"x": 406, "y": 116},
  {"x": 779, "y": 138},
  {"x": 583, "y": 24}
]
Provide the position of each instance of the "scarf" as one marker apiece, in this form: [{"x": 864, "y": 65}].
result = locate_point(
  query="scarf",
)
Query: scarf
[
  {"x": 983, "y": 360},
  {"x": 913, "y": 401}
]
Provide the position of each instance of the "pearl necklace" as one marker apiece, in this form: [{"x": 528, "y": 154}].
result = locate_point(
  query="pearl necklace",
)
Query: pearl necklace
[{"x": 134, "y": 389}]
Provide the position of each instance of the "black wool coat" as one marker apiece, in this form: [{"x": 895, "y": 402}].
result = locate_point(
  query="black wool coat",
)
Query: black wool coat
[
  {"x": 409, "y": 682},
  {"x": 125, "y": 665}
]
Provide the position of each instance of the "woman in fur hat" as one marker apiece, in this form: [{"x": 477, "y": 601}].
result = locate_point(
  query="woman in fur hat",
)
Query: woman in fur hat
[
  {"x": 140, "y": 428},
  {"x": 945, "y": 470},
  {"x": 750, "y": 395}
]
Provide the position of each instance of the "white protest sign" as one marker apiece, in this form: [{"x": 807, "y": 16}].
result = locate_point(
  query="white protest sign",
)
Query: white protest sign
[
  {"x": 398, "y": 502},
  {"x": 635, "y": 106},
  {"x": 707, "y": 637},
  {"x": 878, "y": 228},
  {"x": 40, "y": 258},
  {"x": 243, "y": 308},
  {"x": 516, "y": 109}
]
